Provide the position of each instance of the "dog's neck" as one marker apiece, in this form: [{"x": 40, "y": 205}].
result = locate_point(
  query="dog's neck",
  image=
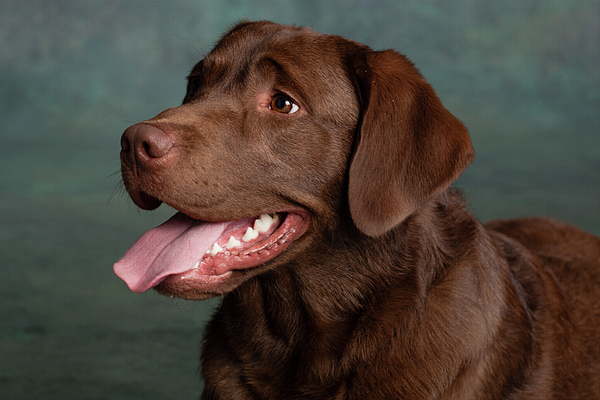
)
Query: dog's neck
[{"x": 319, "y": 312}]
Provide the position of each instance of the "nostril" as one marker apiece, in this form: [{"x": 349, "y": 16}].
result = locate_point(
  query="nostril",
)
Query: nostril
[
  {"x": 125, "y": 146},
  {"x": 144, "y": 142},
  {"x": 157, "y": 144}
]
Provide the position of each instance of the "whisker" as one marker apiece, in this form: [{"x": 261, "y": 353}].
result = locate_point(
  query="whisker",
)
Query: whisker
[{"x": 202, "y": 54}]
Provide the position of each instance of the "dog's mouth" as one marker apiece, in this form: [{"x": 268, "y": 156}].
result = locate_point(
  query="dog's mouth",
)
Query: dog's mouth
[{"x": 188, "y": 249}]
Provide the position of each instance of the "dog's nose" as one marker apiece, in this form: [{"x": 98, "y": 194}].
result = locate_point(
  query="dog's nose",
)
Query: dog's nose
[{"x": 141, "y": 143}]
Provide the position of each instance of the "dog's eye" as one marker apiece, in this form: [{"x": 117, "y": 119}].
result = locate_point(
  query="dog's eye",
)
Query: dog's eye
[{"x": 282, "y": 104}]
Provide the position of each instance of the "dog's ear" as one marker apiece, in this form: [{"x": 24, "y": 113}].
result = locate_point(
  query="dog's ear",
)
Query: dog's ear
[{"x": 409, "y": 149}]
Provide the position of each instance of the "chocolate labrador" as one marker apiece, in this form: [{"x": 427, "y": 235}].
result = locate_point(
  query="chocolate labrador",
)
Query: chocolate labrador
[{"x": 311, "y": 177}]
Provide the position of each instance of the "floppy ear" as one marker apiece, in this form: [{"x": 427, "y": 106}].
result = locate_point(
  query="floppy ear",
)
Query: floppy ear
[{"x": 410, "y": 148}]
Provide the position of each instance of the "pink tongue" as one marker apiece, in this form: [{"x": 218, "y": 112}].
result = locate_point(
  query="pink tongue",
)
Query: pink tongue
[{"x": 171, "y": 248}]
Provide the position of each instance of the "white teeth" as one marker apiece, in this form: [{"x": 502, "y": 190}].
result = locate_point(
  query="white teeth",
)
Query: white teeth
[
  {"x": 261, "y": 225},
  {"x": 232, "y": 243},
  {"x": 196, "y": 265},
  {"x": 264, "y": 223},
  {"x": 250, "y": 234},
  {"x": 215, "y": 249}
]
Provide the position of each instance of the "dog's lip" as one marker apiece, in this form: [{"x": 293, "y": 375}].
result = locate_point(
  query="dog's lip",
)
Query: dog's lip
[
  {"x": 146, "y": 201},
  {"x": 142, "y": 198},
  {"x": 214, "y": 269},
  {"x": 202, "y": 216}
]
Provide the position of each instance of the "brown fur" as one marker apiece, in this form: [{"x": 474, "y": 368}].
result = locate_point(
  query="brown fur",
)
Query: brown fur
[{"x": 395, "y": 290}]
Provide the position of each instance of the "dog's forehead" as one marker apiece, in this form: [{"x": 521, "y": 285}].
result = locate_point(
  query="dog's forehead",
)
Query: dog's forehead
[
  {"x": 249, "y": 43},
  {"x": 287, "y": 57},
  {"x": 251, "y": 38}
]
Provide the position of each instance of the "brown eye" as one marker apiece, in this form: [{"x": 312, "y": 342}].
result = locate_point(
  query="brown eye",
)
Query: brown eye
[{"x": 282, "y": 104}]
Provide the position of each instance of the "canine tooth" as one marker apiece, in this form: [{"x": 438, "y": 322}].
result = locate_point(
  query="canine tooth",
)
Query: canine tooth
[
  {"x": 260, "y": 226},
  {"x": 232, "y": 243},
  {"x": 215, "y": 249},
  {"x": 250, "y": 235},
  {"x": 264, "y": 222}
]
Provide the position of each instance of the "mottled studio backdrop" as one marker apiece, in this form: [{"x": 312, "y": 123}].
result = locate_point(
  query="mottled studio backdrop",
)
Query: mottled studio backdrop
[{"x": 523, "y": 75}]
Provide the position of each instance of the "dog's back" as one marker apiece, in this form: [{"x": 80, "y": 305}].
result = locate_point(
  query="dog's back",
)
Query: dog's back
[{"x": 568, "y": 261}]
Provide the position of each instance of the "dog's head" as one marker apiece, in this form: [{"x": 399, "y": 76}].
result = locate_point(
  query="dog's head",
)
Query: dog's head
[{"x": 283, "y": 134}]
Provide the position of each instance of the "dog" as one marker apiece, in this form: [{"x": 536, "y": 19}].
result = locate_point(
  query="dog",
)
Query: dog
[{"x": 311, "y": 177}]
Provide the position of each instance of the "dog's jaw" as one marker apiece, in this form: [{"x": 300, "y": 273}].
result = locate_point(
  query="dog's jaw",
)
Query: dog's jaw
[{"x": 197, "y": 259}]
